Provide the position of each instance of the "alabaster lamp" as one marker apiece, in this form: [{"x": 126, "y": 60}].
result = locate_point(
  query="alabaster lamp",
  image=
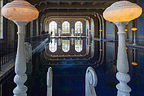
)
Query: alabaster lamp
[
  {"x": 134, "y": 29},
  {"x": 120, "y": 13},
  {"x": 21, "y": 12}
]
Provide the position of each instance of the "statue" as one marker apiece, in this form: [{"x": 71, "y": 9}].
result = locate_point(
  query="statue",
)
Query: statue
[
  {"x": 49, "y": 81},
  {"x": 90, "y": 82}
]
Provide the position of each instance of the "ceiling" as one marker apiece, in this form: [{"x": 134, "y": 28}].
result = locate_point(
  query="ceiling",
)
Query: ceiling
[{"x": 71, "y": 7}]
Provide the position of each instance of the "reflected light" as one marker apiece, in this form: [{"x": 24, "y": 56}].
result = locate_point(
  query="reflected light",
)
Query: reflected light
[
  {"x": 134, "y": 63},
  {"x": 126, "y": 30},
  {"x": 100, "y": 30},
  {"x": 126, "y": 48},
  {"x": 100, "y": 50}
]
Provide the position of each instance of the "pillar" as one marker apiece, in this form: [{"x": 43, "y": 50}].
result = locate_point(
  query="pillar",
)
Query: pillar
[
  {"x": 20, "y": 63},
  {"x": 31, "y": 29},
  {"x": 37, "y": 27}
]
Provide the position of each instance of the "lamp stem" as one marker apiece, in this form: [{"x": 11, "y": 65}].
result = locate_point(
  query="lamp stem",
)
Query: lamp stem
[
  {"x": 20, "y": 63},
  {"x": 134, "y": 40},
  {"x": 122, "y": 62}
]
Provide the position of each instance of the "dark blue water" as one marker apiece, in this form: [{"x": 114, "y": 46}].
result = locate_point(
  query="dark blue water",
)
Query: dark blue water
[{"x": 69, "y": 74}]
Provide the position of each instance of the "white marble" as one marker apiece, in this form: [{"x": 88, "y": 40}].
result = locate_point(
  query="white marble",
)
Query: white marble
[
  {"x": 122, "y": 62},
  {"x": 90, "y": 82},
  {"x": 20, "y": 63},
  {"x": 28, "y": 51},
  {"x": 134, "y": 38},
  {"x": 49, "y": 81}
]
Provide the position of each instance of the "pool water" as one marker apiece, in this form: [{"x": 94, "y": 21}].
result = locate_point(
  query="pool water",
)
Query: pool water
[{"x": 69, "y": 65}]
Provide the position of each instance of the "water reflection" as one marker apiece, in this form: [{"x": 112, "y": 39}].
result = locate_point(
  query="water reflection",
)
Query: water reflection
[
  {"x": 78, "y": 45},
  {"x": 69, "y": 68},
  {"x": 53, "y": 45},
  {"x": 70, "y": 48},
  {"x": 65, "y": 45}
]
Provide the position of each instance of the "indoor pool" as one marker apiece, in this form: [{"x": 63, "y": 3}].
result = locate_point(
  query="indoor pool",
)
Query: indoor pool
[{"x": 69, "y": 59}]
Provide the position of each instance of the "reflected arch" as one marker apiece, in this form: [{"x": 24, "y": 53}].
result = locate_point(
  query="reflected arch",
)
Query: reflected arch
[
  {"x": 78, "y": 45},
  {"x": 53, "y": 46},
  {"x": 65, "y": 45}
]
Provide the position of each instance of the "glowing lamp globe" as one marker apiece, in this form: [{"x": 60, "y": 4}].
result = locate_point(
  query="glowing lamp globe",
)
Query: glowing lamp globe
[
  {"x": 122, "y": 11},
  {"x": 20, "y": 11},
  {"x": 134, "y": 29}
]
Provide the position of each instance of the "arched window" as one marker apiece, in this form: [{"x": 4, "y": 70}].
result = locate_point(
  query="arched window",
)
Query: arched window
[
  {"x": 1, "y": 21},
  {"x": 66, "y": 27},
  {"x": 78, "y": 45},
  {"x": 53, "y": 45},
  {"x": 78, "y": 27},
  {"x": 52, "y": 28},
  {"x": 65, "y": 45}
]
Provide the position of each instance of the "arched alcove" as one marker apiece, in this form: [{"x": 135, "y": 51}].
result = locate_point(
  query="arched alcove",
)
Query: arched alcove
[
  {"x": 78, "y": 27},
  {"x": 52, "y": 28},
  {"x": 66, "y": 27}
]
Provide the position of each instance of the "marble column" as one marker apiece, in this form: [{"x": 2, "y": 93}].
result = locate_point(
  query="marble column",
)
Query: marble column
[
  {"x": 37, "y": 27},
  {"x": 31, "y": 29},
  {"x": 41, "y": 27},
  {"x": 20, "y": 63},
  {"x": 122, "y": 62},
  {"x": 134, "y": 38}
]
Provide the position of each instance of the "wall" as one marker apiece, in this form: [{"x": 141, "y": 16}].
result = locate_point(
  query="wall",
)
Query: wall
[
  {"x": 110, "y": 31},
  {"x": 72, "y": 22},
  {"x": 140, "y": 25}
]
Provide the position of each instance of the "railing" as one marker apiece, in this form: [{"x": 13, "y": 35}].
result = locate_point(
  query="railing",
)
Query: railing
[
  {"x": 36, "y": 40},
  {"x": 7, "y": 52},
  {"x": 91, "y": 80},
  {"x": 8, "y": 49}
]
